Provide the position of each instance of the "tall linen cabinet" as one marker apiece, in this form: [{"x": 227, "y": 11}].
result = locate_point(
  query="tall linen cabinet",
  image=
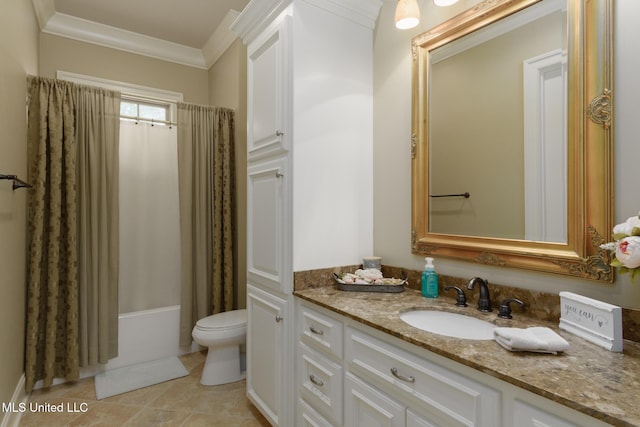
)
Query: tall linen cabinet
[{"x": 309, "y": 166}]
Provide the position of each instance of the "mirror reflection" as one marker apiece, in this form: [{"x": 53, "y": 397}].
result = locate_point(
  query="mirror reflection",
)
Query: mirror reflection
[
  {"x": 497, "y": 129},
  {"x": 512, "y": 104}
]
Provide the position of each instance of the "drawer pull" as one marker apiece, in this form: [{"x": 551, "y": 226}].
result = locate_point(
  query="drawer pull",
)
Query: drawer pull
[
  {"x": 316, "y": 331},
  {"x": 408, "y": 379},
  {"x": 316, "y": 381}
]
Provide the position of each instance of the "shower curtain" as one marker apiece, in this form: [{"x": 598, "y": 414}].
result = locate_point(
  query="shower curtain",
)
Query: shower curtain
[
  {"x": 149, "y": 217},
  {"x": 72, "y": 259},
  {"x": 206, "y": 165}
]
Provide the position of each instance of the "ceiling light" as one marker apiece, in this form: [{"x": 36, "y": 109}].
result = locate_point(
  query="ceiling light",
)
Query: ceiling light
[
  {"x": 444, "y": 2},
  {"x": 407, "y": 14}
]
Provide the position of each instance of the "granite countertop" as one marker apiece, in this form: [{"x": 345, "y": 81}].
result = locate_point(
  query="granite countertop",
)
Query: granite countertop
[{"x": 586, "y": 377}]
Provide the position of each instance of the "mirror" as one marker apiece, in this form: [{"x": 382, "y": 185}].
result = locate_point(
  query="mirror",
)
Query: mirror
[{"x": 512, "y": 136}]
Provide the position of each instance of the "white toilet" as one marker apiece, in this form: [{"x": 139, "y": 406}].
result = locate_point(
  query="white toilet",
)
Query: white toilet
[{"x": 222, "y": 333}]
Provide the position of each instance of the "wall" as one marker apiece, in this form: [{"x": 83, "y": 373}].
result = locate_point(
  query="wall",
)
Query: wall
[
  {"x": 392, "y": 164},
  {"x": 19, "y": 53},
  {"x": 59, "y": 53},
  {"x": 228, "y": 88}
]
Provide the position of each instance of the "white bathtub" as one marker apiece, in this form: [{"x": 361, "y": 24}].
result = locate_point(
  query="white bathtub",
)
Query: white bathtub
[{"x": 143, "y": 336}]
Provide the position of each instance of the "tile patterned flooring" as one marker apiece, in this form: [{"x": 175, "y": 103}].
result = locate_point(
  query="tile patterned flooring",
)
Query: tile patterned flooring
[{"x": 182, "y": 402}]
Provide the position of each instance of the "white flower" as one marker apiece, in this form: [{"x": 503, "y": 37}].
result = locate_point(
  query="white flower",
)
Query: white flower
[
  {"x": 628, "y": 251},
  {"x": 627, "y": 227}
]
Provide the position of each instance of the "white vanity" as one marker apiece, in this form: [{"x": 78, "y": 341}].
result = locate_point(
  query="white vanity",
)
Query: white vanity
[{"x": 353, "y": 371}]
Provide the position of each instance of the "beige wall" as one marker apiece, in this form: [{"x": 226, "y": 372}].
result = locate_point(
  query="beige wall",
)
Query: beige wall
[
  {"x": 228, "y": 88},
  {"x": 18, "y": 58},
  {"x": 63, "y": 54},
  {"x": 392, "y": 129}
]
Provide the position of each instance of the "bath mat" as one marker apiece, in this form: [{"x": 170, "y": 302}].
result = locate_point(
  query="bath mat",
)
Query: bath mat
[{"x": 133, "y": 377}]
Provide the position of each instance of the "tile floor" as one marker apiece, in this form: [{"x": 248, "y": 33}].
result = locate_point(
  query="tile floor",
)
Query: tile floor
[{"x": 180, "y": 402}]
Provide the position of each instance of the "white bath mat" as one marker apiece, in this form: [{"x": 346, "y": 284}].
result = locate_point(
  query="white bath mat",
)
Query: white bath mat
[{"x": 129, "y": 378}]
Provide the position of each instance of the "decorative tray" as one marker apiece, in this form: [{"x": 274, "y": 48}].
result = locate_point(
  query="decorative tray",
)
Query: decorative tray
[{"x": 369, "y": 280}]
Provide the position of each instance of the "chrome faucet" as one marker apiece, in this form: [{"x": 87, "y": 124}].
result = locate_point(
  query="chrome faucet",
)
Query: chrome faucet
[{"x": 484, "y": 300}]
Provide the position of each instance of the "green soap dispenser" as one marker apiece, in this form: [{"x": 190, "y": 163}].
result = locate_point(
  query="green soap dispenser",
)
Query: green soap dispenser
[{"x": 429, "y": 280}]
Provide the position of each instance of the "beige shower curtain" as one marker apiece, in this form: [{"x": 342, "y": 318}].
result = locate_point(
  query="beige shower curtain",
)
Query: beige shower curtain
[
  {"x": 206, "y": 169},
  {"x": 72, "y": 228}
]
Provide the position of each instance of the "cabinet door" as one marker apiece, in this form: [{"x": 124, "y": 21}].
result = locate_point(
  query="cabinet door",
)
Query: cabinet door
[
  {"x": 267, "y": 228},
  {"x": 366, "y": 406},
  {"x": 268, "y": 90},
  {"x": 266, "y": 353}
]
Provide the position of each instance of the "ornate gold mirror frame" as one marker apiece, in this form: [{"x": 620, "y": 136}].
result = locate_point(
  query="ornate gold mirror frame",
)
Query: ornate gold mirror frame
[{"x": 589, "y": 150}]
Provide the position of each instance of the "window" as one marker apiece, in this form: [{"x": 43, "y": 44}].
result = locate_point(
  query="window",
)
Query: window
[{"x": 135, "y": 110}]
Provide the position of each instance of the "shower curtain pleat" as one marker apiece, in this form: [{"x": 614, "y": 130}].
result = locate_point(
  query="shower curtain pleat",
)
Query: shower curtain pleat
[
  {"x": 206, "y": 168},
  {"x": 58, "y": 269},
  {"x": 98, "y": 128}
]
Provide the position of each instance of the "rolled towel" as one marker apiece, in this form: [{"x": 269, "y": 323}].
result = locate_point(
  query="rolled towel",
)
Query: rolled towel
[{"x": 536, "y": 339}]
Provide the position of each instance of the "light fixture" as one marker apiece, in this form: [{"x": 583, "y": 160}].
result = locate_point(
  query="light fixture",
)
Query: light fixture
[
  {"x": 407, "y": 14},
  {"x": 444, "y": 2}
]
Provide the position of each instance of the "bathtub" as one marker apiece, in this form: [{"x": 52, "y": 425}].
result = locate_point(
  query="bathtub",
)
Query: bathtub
[{"x": 143, "y": 336}]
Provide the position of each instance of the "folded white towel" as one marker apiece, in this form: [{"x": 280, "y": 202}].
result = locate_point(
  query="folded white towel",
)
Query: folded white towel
[{"x": 536, "y": 339}]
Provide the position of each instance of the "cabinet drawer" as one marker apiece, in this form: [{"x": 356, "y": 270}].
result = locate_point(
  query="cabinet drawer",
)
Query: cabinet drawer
[
  {"x": 526, "y": 415},
  {"x": 368, "y": 407},
  {"x": 320, "y": 331},
  {"x": 445, "y": 394},
  {"x": 307, "y": 417},
  {"x": 320, "y": 382}
]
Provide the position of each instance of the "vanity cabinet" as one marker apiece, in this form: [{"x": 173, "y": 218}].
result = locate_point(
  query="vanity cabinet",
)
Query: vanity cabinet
[{"x": 389, "y": 382}]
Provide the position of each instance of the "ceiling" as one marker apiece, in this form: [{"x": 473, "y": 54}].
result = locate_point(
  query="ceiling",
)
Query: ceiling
[{"x": 186, "y": 29}]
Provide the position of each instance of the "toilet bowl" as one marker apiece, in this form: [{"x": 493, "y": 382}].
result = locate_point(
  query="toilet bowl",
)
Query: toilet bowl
[{"x": 222, "y": 333}]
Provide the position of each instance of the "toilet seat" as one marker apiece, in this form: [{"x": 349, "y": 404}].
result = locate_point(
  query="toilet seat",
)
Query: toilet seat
[{"x": 226, "y": 321}]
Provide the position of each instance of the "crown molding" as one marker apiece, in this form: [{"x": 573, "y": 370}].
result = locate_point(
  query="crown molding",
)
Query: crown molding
[
  {"x": 259, "y": 13},
  {"x": 256, "y": 16},
  {"x": 221, "y": 39},
  {"x": 60, "y": 24},
  {"x": 128, "y": 41}
]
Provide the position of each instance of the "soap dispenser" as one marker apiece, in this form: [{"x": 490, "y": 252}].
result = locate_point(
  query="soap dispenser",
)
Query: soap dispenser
[{"x": 429, "y": 280}]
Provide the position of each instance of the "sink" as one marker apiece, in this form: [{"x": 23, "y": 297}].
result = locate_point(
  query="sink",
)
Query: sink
[{"x": 449, "y": 324}]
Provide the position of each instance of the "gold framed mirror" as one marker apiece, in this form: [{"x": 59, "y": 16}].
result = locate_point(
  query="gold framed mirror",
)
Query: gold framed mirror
[{"x": 512, "y": 137}]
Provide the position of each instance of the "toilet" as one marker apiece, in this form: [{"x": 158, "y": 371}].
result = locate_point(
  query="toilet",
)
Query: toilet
[{"x": 222, "y": 333}]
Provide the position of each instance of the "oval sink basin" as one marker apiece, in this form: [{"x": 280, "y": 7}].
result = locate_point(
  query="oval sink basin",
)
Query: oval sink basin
[{"x": 449, "y": 324}]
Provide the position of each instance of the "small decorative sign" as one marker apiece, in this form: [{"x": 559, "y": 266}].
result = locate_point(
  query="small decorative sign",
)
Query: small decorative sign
[{"x": 593, "y": 320}]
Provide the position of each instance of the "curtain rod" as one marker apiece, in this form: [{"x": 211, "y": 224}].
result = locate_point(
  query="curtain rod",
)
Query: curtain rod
[{"x": 152, "y": 121}]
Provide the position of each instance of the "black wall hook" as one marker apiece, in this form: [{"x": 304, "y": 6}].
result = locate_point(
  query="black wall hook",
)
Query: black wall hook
[{"x": 17, "y": 182}]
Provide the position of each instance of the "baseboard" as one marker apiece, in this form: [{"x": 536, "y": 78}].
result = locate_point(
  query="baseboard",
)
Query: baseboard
[{"x": 12, "y": 411}]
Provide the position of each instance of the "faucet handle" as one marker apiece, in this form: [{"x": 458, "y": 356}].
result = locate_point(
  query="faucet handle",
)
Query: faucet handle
[
  {"x": 505, "y": 307},
  {"x": 461, "y": 298}
]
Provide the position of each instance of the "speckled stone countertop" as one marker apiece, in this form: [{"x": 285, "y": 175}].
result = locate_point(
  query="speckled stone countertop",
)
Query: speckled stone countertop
[{"x": 587, "y": 378}]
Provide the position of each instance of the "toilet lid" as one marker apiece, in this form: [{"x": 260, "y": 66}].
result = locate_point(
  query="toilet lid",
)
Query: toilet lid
[{"x": 226, "y": 320}]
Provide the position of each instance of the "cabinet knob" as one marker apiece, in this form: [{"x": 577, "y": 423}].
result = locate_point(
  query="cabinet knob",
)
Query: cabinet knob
[
  {"x": 279, "y": 319},
  {"x": 279, "y": 133},
  {"x": 278, "y": 174}
]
